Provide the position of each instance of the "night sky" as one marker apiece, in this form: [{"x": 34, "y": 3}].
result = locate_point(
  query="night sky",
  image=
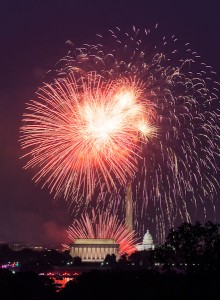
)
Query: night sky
[{"x": 32, "y": 40}]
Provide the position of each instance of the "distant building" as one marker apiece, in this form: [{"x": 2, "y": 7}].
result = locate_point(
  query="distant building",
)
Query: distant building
[
  {"x": 147, "y": 243},
  {"x": 94, "y": 250},
  {"x": 17, "y": 246}
]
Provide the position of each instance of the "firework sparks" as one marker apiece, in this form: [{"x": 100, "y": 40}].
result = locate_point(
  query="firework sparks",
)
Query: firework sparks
[
  {"x": 96, "y": 126},
  {"x": 103, "y": 225},
  {"x": 86, "y": 130}
]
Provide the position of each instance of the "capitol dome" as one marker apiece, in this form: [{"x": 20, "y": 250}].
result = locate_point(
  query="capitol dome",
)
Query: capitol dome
[{"x": 147, "y": 240}]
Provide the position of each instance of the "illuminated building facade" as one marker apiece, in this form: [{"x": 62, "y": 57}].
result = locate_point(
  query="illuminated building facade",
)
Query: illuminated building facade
[
  {"x": 147, "y": 242},
  {"x": 94, "y": 250}
]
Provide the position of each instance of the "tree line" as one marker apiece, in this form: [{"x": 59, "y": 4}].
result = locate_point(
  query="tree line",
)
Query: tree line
[{"x": 186, "y": 266}]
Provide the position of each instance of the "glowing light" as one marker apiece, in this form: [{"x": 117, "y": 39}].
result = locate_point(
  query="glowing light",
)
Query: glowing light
[{"x": 146, "y": 130}]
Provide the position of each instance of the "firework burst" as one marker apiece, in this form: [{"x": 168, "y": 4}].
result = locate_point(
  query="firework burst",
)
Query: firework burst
[
  {"x": 126, "y": 108},
  {"x": 85, "y": 132}
]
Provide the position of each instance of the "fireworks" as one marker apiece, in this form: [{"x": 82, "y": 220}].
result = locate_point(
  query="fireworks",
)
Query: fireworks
[
  {"x": 103, "y": 225},
  {"x": 86, "y": 131},
  {"x": 131, "y": 107}
]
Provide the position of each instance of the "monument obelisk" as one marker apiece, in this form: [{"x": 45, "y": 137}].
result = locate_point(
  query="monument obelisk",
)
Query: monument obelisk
[{"x": 129, "y": 207}]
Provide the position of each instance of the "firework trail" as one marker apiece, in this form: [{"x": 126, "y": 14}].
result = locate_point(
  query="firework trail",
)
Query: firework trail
[
  {"x": 137, "y": 107},
  {"x": 104, "y": 225}
]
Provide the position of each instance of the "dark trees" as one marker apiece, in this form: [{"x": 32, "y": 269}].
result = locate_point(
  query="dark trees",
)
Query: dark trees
[
  {"x": 25, "y": 285},
  {"x": 110, "y": 259},
  {"x": 141, "y": 259},
  {"x": 191, "y": 248}
]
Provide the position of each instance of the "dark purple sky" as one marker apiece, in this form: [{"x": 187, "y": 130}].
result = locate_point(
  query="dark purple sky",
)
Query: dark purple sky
[{"x": 32, "y": 40}]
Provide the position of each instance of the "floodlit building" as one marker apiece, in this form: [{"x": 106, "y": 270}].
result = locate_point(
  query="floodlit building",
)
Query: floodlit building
[
  {"x": 94, "y": 250},
  {"x": 147, "y": 243}
]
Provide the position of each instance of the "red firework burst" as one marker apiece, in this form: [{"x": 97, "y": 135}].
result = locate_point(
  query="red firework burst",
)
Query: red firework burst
[{"x": 80, "y": 133}]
